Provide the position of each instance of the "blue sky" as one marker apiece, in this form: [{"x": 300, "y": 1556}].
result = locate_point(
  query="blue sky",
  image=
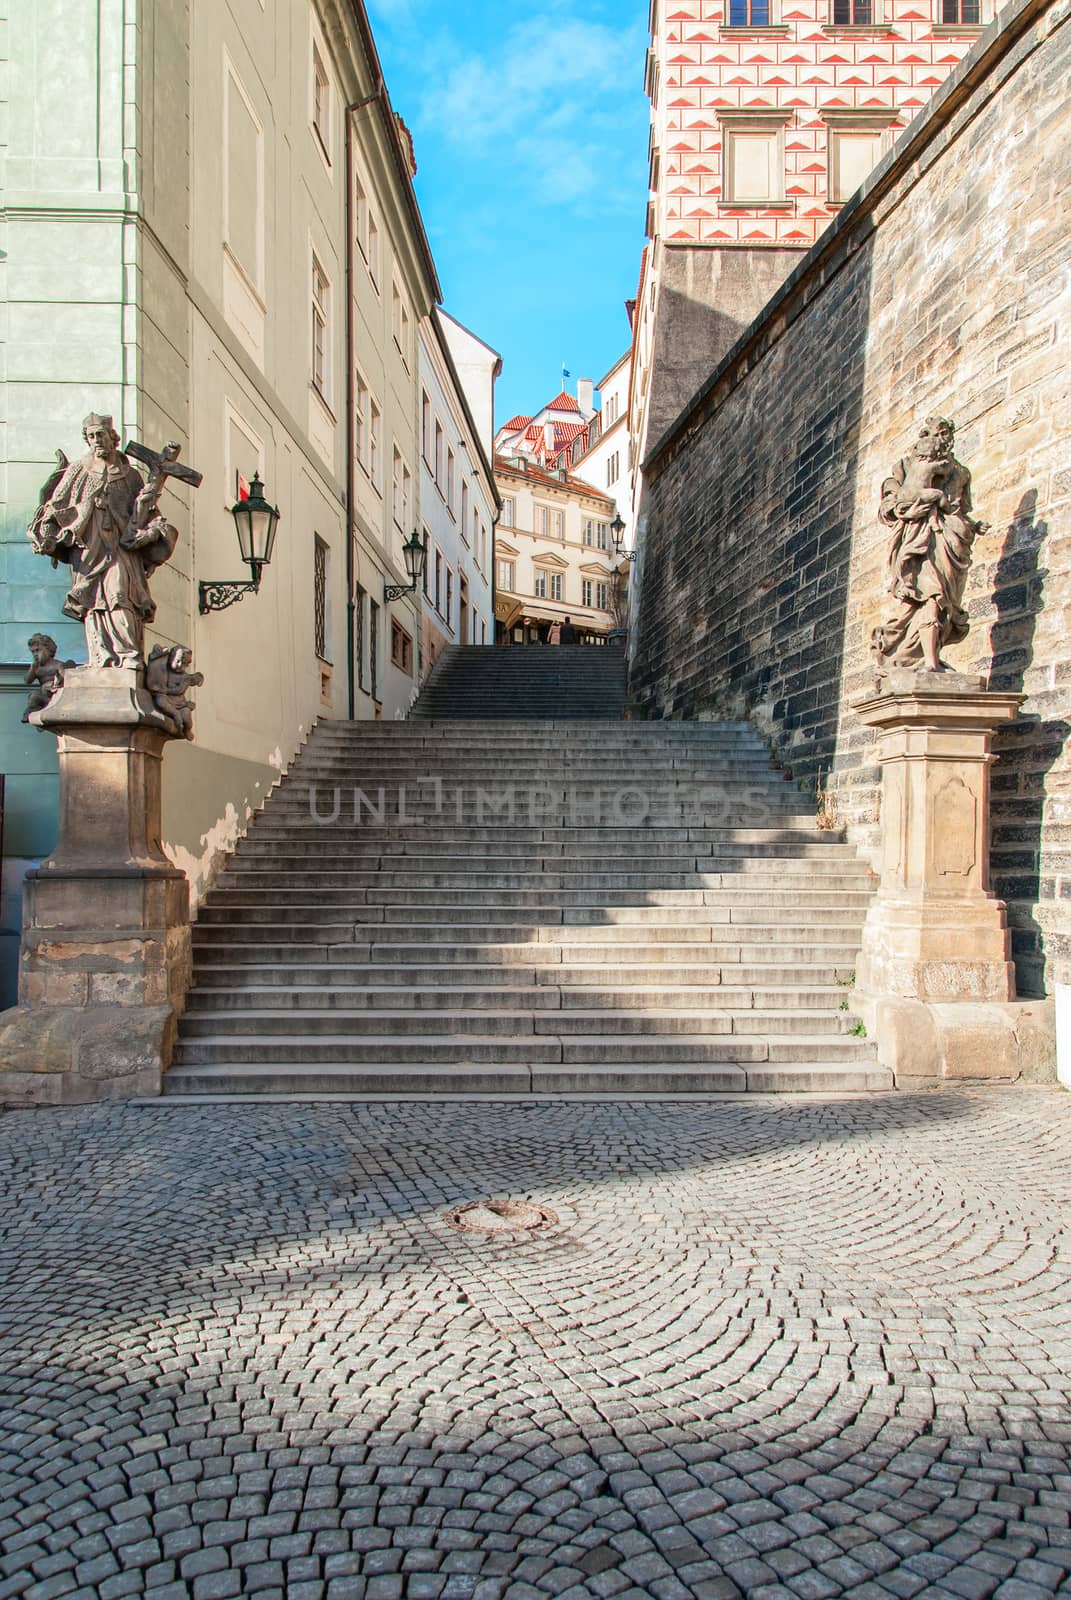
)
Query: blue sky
[{"x": 531, "y": 132}]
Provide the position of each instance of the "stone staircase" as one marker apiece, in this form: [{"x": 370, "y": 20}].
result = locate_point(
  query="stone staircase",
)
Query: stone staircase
[
  {"x": 554, "y": 682},
  {"x": 529, "y": 907}
]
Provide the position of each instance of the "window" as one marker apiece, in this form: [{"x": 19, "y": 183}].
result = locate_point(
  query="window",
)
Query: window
[
  {"x": 373, "y": 647},
  {"x": 961, "y": 13},
  {"x": 596, "y": 534},
  {"x": 853, "y": 13},
  {"x": 613, "y": 468},
  {"x": 360, "y": 608},
  {"x": 542, "y": 521},
  {"x": 506, "y": 575},
  {"x": 610, "y": 410},
  {"x": 750, "y": 14},
  {"x": 374, "y": 463},
  {"x": 754, "y": 159},
  {"x": 320, "y": 559},
  {"x": 853, "y": 155},
  {"x": 407, "y": 497},
  {"x": 363, "y": 215},
  {"x": 589, "y": 531},
  {"x": 401, "y": 648},
  {"x": 405, "y": 337},
  {"x": 360, "y": 421},
  {"x": 396, "y": 314},
  {"x": 465, "y": 512},
  {"x": 321, "y": 305},
  {"x": 425, "y": 425},
  {"x": 439, "y": 581},
  {"x": 243, "y": 142},
  {"x": 587, "y": 590},
  {"x": 450, "y": 481},
  {"x": 559, "y": 524},
  {"x": 483, "y": 544},
  {"x": 483, "y": 631},
  {"x": 427, "y": 565},
  {"x": 372, "y": 253},
  {"x": 541, "y": 585},
  {"x": 321, "y": 102},
  {"x": 602, "y": 596},
  {"x": 396, "y": 487},
  {"x": 602, "y": 536},
  {"x": 439, "y": 457},
  {"x": 509, "y": 512},
  {"x": 556, "y": 586},
  {"x": 448, "y": 614}
]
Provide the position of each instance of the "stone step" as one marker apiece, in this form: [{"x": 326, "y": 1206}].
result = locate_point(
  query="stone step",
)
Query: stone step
[
  {"x": 634, "y": 1080},
  {"x": 395, "y": 889},
  {"x": 693, "y": 973},
  {"x": 569, "y": 1022},
  {"x": 584, "y": 921},
  {"x": 481, "y": 996},
  {"x": 527, "y": 1049},
  {"x": 674, "y": 947}
]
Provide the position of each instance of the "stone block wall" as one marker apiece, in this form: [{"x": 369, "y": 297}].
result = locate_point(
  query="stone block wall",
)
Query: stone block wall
[{"x": 944, "y": 286}]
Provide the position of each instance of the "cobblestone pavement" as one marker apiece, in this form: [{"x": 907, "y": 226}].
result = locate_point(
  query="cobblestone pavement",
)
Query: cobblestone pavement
[{"x": 781, "y": 1349}]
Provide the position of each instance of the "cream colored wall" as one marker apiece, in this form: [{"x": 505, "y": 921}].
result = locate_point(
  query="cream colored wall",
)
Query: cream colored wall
[{"x": 580, "y": 560}]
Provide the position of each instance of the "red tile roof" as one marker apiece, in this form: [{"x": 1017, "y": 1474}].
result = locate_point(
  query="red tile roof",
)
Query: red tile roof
[
  {"x": 564, "y": 402},
  {"x": 515, "y": 424},
  {"x": 538, "y": 475}
]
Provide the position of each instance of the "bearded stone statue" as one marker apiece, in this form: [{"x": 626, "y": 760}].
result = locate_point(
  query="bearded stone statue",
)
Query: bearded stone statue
[
  {"x": 100, "y": 518},
  {"x": 927, "y": 504}
]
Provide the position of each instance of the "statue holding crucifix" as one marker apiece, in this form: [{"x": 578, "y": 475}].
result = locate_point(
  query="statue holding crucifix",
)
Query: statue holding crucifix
[{"x": 100, "y": 518}]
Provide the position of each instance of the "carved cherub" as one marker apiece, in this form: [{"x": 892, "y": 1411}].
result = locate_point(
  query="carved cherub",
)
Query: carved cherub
[
  {"x": 46, "y": 673},
  {"x": 167, "y": 679}
]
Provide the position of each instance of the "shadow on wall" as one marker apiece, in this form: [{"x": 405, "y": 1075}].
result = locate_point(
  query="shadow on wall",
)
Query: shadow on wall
[
  {"x": 1028, "y": 749},
  {"x": 746, "y": 565}
]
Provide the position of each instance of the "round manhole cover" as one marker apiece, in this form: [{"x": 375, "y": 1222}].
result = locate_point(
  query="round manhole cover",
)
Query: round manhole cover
[{"x": 501, "y": 1216}]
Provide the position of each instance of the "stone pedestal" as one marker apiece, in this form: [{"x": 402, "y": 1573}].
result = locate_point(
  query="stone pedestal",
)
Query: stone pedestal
[
  {"x": 105, "y": 962},
  {"x": 936, "y": 938}
]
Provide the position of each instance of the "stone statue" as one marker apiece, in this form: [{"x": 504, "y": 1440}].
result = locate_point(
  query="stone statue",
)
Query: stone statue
[
  {"x": 927, "y": 504},
  {"x": 45, "y": 676},
  {"x": 167, "y": 678},
  {"x": 101, "y": 519}
]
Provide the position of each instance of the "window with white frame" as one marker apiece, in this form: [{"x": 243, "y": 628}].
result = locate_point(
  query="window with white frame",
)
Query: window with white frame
[
  {"x": 465, "y": 512},
  {"x": 406, "y": 340},
  {"x": 321, "y": 101},
  {"x": 557, "y": 586},
  {"x": 961, "y": 13},
  {"x": 508, "y": 514},
  {"x": 542, "y": 521},
  {"x": 540, "y": 584},
  {"x": 753, "y": 159},
  {"x": 427, "y": 564},
  {"x": 438, "y": 581},
  {"x": 426, "y": 434},
  {"x": 372, "y": 252},
  {"x": 375, "y": 462},
  {"x": 559, "y": 524},
  {"x": 613, "y": 468},
  {"x": 363, "y": 215},
  {"x": 448, "y": 611},
  {"x": 396, "y": 486},
  {"x": 360, "y": 420},
  {"x": 440, "y": 458},
  {"x": 587, "y": 590},
  {"x": 507, "y": 573},
  {"x": 602, "y": 596},
  {"x": 321, "y": 331},
  {"x": 321, "y": 557},
  {"x": 854, "y": 13},
  {"x": 856, "y": 142},
  {"x": 602, "y": 535},
  {"x": 243, "y": 179},
  {"x": 450, "y": 468},
  {"x": 750, "y": 13}
]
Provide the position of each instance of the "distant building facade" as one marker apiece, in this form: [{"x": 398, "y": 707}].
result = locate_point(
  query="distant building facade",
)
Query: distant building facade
[
  {"x": 458, "y": 501},
  {"x": 552, "y": 553},
  {"x": 766, "y": 115}
]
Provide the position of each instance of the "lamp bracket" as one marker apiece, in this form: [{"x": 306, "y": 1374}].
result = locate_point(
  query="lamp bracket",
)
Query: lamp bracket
[
  {"x": 218, "y": 596},
  {"x": 397, "y": 591}
]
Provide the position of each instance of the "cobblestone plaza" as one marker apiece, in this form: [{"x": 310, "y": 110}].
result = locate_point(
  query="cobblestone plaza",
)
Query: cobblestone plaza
[{"x": 769, "y": 1347}]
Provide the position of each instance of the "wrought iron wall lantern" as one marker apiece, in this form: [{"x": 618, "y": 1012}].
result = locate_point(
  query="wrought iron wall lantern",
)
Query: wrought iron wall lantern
[
  {"x": 257, "y": 523},
  {"x": 617, "y": 530},
  {"x": 415, "y": 551}
]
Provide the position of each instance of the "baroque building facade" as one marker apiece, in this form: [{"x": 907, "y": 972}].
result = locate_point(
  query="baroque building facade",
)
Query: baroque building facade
[
  {"x": 218, "y": 242},
  {"x": 766, "y": 116}
]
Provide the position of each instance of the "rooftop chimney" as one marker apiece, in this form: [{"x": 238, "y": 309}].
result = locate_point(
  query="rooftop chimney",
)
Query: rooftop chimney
[{"x": 585, "y": 398}]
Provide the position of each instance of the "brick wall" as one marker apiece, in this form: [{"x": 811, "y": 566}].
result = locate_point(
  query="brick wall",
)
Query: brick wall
[{"x": 944, "y": 286}]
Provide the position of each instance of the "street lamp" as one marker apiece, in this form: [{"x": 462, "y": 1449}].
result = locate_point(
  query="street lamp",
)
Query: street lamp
[
  {"x": 257, "y": 523},
  {"x": 415, "y": 552},
  {"x": 617, "y": 529}
]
